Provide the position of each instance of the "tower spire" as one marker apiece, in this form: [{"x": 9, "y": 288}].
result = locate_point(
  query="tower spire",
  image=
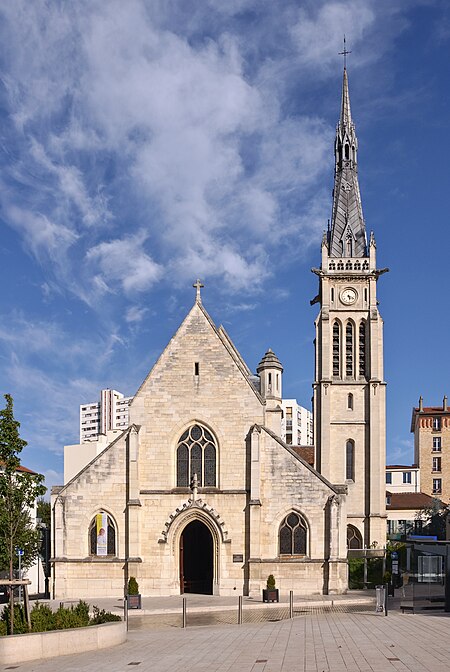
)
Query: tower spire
[{"x": 348, "y": 232}]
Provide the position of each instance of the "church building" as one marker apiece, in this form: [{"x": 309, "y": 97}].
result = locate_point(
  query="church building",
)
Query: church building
[{"x": 199, "y": 493}]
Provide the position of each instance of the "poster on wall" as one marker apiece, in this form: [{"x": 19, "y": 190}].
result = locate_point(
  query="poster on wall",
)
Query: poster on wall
[{"x": 102, "y": 536}]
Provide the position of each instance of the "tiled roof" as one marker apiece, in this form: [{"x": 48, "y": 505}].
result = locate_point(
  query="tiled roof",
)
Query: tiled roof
[
  {"x": 21, "y": 468},
  {"x": 306, "y": 452},
  {"x": 408, "y": 500},
  {"x": 401, "y": 466}
]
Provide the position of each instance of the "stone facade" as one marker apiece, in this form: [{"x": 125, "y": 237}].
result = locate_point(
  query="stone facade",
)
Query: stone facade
[{"x": 200, "y": 380}]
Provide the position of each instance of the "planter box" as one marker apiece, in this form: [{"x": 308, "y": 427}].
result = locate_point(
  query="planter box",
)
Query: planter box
[
  {"x": 134, "y": 601},
  {"x": 270, "y": 595}
]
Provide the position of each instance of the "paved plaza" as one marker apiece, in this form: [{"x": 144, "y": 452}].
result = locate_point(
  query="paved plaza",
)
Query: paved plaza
[{"x": 320, "y": 641}]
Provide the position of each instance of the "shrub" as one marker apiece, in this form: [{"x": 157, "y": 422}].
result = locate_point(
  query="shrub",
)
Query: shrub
[
  {"x": 20, "y": 623},
  {"x": 42, "y": 618},
  {"x": 270, "y": 582},
  {"x": 73, "y": 617},
  {"x": 102, "y": 616},
  {"x": 3, "y": 631},
  {"x": 133, "y": 587}
]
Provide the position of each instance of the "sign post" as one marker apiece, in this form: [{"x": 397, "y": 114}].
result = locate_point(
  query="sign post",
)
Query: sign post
[{"x": 19, "y": 553}]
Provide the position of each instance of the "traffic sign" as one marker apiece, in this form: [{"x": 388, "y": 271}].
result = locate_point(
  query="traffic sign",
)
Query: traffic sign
[{"x": 19, "y": 551}]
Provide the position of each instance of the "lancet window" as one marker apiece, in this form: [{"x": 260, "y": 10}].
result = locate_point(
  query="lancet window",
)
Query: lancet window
[
  {"x": 350, "y": 460},
  {"x": 293, "y": 535},
  {"x": 102, "y": 535},
  {"x": 349, "y": 347},
  {"x": 362, "y": 348},
  {"x": 196, "y": 454},
  {"x": 336, "y": 348}
]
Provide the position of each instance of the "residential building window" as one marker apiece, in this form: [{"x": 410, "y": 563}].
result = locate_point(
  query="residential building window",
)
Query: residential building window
[
  {"x": 350, "y": 461},
  {"x": 437, "y": 423},
  {"x": 389, "y": 477},
  {"x": 437, "y": 486},
  {"x": 288, "y": 417},
  {"x": 362, "y": 348},
  {"x": 436, "y": 464},
  {"x": 102, "y": 535},
  {"x": 437, "y": 443},
  {"x": 293, "y": 535},
  {"x": 196, "y": 454},
  {"x": 349, "y": 344},
  {"x": 336, "y": 349},
  {"x": 407, "y": 477}
]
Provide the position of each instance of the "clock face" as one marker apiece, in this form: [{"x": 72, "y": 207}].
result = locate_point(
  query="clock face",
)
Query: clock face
[{"x": 348, "y": 296}]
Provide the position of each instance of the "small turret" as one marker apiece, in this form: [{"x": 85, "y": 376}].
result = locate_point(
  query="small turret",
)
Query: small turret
[{"x": 270, "y": 372}]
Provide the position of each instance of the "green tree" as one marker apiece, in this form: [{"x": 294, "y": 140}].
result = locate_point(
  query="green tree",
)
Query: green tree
[
  {"x": 434, "y": 519},
  {"x": 44, "y": 511},
  {"x": 18, "y": 493}
]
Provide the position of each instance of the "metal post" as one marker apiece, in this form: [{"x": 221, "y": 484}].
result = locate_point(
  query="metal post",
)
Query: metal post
[
  {"x": 240, "y": 610},
  {"x": 365, "y": 569},
  {"x": 385, "y": 599},
  {"x": 291, "y": 604},
  {"x": 20, "y": 575},
  {"x": 184, "y": 613}
]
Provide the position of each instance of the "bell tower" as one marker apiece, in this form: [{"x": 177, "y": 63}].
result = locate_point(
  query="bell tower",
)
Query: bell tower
[{"x": 349, "y": 388}]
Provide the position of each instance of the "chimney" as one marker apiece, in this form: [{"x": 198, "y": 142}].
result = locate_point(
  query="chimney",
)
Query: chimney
[
  {"x": 420, "y": 403},
  {"x": 444, "y": 403}
]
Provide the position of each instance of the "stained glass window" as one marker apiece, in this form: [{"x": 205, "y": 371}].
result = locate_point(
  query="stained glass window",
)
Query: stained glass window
[
  {"x": 350, "y": 461},
  {"x": 197, "y": 454},
  {"x": 293, "y": 535}
]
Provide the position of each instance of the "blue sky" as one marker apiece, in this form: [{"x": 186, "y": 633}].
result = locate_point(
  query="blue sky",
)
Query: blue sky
[{"x": 144, "y": 144}]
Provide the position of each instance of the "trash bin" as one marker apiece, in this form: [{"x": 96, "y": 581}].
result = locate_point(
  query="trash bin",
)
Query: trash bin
[{"x": 380, "y": 592}]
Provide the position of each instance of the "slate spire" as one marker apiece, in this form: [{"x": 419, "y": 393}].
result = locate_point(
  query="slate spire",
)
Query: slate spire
[{"x": 347, "y": 236}]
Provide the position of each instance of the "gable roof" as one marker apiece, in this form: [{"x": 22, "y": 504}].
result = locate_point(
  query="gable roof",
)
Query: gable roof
[
  {"x": 336, "y": 488},
  {"x": 226, "y": 341}
]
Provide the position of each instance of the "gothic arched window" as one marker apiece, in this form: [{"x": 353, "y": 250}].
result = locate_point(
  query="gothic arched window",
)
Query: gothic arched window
[
  {"x": 293, "y": 535},
  {"x": 102, "y": 535},
  {"x": 349, "y": 344},
  {"x": 350, "y": 460},
  {"x": 336, "y": 349},
  {"x": 350, "y": 402},
  {"x": 196, "y": 454},
  {"x": 354, "y": 538},
  {"x": 362, "y": 348}
]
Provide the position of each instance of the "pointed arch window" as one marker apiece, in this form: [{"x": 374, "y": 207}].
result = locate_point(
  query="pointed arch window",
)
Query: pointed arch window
[
  {"x": 350, "y": 402},
  {"x": 354, "y": 538},
  {"x": 349, "y": 346},
  {"x": 350, "y": 460},
  {"x": 293, "y": 535},
  {"x": 336, "y": 349},
  {"x": 362, "y": 348},
  {"x": 197, "y": 454},
  {"x": 102, "y": 535}
]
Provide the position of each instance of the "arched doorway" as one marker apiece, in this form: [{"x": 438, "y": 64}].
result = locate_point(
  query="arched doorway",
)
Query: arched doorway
[{"x": 196, "y": 559}]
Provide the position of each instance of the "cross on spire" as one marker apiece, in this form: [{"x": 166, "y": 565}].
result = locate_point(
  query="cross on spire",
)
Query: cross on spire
[
  {"x": 344, "y": 54},
  {"x": 198, "y": 285}
]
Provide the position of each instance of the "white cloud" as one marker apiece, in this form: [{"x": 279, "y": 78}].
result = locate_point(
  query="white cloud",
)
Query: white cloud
[
  {"x": 125, "y": 262},
  {"x": 135, "y": 314}
]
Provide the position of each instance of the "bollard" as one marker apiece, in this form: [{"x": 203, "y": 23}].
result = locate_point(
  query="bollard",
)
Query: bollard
[
  {"x": 291, "y": 604},
  {"x": 184, "y": 613},
  {"x": 386, "y": 599},
  {"x": 240, "y": 610}
]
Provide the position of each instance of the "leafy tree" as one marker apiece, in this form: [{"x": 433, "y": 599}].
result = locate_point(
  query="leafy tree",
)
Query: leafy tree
[
  {"x": 44, "y": 511},
  {"x": 434, "y": 519},
  {"x": 18, "y": 493}
]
